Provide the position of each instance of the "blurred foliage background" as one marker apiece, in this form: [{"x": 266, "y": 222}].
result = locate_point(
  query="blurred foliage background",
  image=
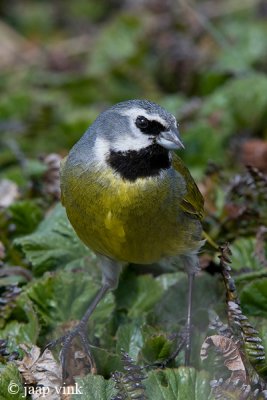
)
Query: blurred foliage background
[{"x": 61, "y": 64}]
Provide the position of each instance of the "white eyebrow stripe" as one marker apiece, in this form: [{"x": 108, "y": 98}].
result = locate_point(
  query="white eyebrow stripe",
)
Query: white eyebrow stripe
[{"x": 136, "y": 112}]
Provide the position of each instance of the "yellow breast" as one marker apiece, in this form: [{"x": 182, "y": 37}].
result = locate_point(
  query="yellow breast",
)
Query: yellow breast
[{"x": 138, "y": 222}]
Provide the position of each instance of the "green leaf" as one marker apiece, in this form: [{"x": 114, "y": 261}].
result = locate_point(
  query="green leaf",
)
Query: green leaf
[
  {"x": 35, "y": 168},
  {"x": 130, "y": 339},
  {"x": 95, "y": 387},
  {"x": 172, "y": 307},
  {"x": 240, "y": 100},
  {"x": 106, "y": 362},
  {"x": 169, "y": 314},
  {"x": 245, "y": 278},
  {"x": 65, "y": 296},
  {"x": 232, "y": 103},
  {"x": 11, "y": 387},
  {"x": 16, "y": 104},
  {"x": 168, "y": 384},
  {"x": 116, "y": 44},
  {"x": 243, "y": 255},
  {"x": 137, "y": 338},
  {"x": 205, "y": 145},
  {"x": 157, "y": 348},
  {"x": 53, "y": 244},
  {"x": 25, "y": 215},
  {"x": 137, "y": 294},
  {"x": 249, "y": 38},
  {"x": 178, "y": 384},
  {"x": 254, "y": 298},
  {"x": 173, "y": 103},
  {"x": 24, "y": 328}
]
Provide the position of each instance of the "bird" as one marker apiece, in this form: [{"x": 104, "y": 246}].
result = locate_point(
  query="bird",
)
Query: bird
[{"x": 131, "y": 200}]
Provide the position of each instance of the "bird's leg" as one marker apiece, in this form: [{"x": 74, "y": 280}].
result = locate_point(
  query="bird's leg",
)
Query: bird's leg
[
  {"x": 110, "y": 276},
  {"x": 191, "y": 265},
  {"x": 189, "y": 319},
  {"x": 79, "y": 331}
]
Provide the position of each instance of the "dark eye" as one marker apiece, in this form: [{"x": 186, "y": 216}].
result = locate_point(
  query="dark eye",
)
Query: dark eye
[
  {"x": 148, "y": 127},
  {"x": 141, "y": 122}
]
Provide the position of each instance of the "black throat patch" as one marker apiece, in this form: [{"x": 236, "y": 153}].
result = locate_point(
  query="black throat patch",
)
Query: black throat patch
[{"x": 133, "y": 164}]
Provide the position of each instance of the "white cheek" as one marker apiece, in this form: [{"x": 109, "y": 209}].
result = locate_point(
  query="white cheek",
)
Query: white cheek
[
  {"x": 103, "y": 147},
  {"x": 132, "y": 143},
  {"x": 101, "y": 150},
  {"x": 135, "y": 141}
]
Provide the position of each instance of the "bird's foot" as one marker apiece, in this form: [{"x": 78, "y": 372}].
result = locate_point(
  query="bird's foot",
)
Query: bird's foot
[{"x": 66, "y": 342}]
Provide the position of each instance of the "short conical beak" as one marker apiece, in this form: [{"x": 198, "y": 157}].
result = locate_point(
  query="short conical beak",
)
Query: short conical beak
[{"x": 170, "y": 140}]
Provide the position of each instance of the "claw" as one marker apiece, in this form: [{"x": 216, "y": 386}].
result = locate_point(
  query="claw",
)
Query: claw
[
  {"x": 55, "y": 342},
  {"x": 86, "y": 346},
  {"x": 64, "y": 353},
  {"x": 66, "y": 341}
]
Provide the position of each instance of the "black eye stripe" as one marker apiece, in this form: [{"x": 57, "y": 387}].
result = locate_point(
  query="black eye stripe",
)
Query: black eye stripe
[{"x": 149, "y": 127}]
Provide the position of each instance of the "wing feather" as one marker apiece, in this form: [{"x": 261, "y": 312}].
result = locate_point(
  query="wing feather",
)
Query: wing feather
[{"x": 193, "y": 202}]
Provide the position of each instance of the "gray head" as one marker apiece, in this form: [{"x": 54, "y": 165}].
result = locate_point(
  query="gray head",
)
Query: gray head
[
  {"x": 128, "y": 132},
  {"x": 133, "y": 125}
]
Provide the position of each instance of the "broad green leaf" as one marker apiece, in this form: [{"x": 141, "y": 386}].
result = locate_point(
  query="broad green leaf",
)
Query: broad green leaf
[
  {"x": 25, "y": 215},
  {"x": 106, "y": 362},
  {"x": 245, "y": 278},
  {"x": 137, "y": 294},
  {"x": 205, "y": 145},
  {"x": 172, "y": 307},
  {"x": 117, "y": 43},
  {"x": 16, "y": 104},
  {"x": 95, "y": 387},
  {"x": 35, "y": 168},
  {"x": 130, "y": 339},
  {"x": 24, "y": 328},
  {"x": 243, "y": 255},
  {"x": 90, "y": 10},
  {"x": 253, "y": 298},
  {"x": 168, "y": 384},
  {"x": 53, "y": 244},
  {"x": 240, "y": 100},
  {"x": 144, "y": 342},
  {"x": 11, "y": 387},
  {"x": 216, "y": 107},
  {"x": 249, "y": 38},
  {"x": 231, "y": 104},
  {"x": 157, "y": 348},
  {"x": 174, "y": 103},
  {"x": 170, "y": 312},
  {"x": 65, "y": 296},
  {"x": 178, "y": 384}
]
